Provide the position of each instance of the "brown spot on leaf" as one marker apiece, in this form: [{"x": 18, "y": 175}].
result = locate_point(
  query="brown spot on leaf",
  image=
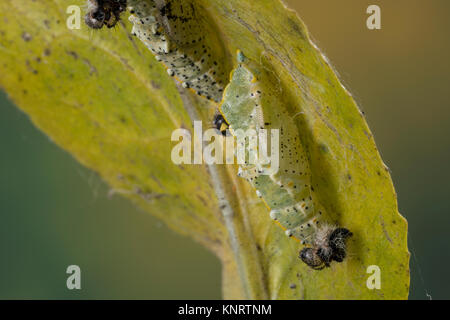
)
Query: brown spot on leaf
[
  {"x": 92, "y": 69},
  {"x": 26, "y": 36},
  {"x": 30, "y": 68},
  {"x": 155, "y": 85},
  {"x": 73, "y": 54},
  {"x": 384, "y": 230}
]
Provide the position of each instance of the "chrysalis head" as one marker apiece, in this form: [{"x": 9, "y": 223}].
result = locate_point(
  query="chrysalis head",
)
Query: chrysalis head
[
  {"x": 221, "y": 124},
  {"x": 104, "y": 13},
  {"x": 329, "y": 245},
  {"x": 241, "y": 58}
]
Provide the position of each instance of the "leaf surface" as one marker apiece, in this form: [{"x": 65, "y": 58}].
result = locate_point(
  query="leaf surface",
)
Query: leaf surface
[{"x": 104, "y": 98}]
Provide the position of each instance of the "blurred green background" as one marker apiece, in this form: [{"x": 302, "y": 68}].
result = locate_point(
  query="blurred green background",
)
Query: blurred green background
[{"x": 55, "y": 213}]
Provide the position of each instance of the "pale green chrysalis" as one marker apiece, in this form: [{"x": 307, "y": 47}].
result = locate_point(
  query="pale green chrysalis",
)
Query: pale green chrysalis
[
  {"x": 175, "y": 32},
  {"x": 249, "y": 104}
]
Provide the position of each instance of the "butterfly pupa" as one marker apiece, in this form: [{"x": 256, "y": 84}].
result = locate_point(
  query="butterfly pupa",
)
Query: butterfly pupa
[
  {"x": 181, "y": 36},
  {"x": 250, "y": 104}
]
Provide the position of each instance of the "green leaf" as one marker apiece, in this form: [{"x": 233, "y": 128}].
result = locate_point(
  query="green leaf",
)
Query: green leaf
[{"x": 104, "y": 98}]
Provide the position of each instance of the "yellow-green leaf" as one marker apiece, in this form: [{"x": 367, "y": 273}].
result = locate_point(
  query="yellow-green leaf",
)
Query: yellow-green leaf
[{"x": 104, "y": 98}]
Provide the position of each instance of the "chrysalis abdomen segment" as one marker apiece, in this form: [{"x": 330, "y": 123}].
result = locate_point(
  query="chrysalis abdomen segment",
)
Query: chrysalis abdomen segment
[
  {"x": 174, "y": 32},
  {"x": 249, "y": 104}
]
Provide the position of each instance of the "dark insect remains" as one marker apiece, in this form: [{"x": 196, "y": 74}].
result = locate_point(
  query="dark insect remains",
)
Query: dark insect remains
[{"x": 104, "y": 13}]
